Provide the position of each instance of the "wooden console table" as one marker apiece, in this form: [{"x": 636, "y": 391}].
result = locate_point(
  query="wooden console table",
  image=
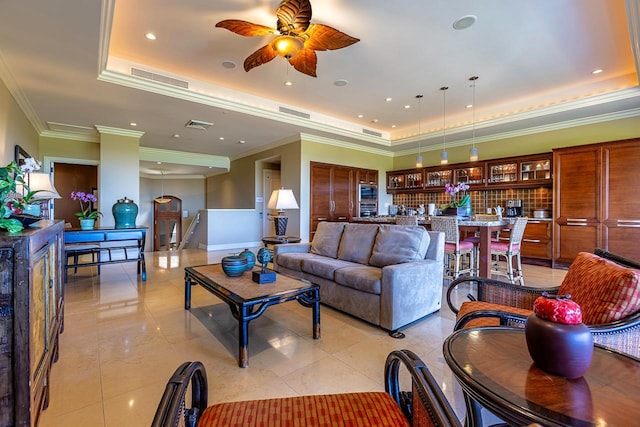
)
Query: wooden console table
[
  {"x": 111, "y": 245},
  {"x": 495, "y": 371}
]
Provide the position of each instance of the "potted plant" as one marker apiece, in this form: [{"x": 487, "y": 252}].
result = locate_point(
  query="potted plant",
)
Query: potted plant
[
  {"x": 460, "y": 203},
  {"x": 13, "y": 204},
  {"x": 86, "y": 216}
]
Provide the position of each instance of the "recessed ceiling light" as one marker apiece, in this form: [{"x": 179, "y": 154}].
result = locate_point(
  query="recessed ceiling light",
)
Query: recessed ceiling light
[
  {"x": 597, "y": 71},
  {"x": 150, "y": 36},
  {"x": 158, "y": 163},
  {"x": 374, "y": 121},
  {"x": 288, "y": 83},
  {"x": 221, "y": 138},
  {"x": 464, "y": 22},
  {"x": 393, "y": 126},
  {"x": 360, "y": 116},
  {"x": 388, "y": 99},
  {"x": 406, "y": 107},
  {"x": 241, "y": 141},
  {"x": 175, "y": 135},
  {"x": 468, "y": 106},
  {"x": 133, "y": 124},
  {"x": 341, "y": 82},
  {"x": 229, "y": 64}
]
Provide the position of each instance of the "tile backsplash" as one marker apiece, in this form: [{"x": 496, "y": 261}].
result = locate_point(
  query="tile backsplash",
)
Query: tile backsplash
[{"x": 532, "y": 198}]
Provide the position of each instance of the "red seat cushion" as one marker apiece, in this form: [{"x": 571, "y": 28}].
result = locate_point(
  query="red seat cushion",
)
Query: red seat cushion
[
  {"x": 464, "y": 246},
  {"x": 470, "y": 306},
  {"x": 605, "y": 290},
  {"x": 350, "y": 409},
  {"x": 503, "y": 246}
]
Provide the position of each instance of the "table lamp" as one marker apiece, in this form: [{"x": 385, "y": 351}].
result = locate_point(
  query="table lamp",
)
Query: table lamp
[
  {"x": 282, "y": 199},
  {"x": 41, "y": 182}
]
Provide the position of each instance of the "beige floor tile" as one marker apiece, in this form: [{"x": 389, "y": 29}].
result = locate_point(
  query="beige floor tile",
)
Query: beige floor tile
[{"x": 124, "y": 338}]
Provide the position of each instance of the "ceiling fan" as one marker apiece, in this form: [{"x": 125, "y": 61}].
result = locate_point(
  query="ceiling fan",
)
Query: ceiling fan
[{"x": 297, "y": 40}]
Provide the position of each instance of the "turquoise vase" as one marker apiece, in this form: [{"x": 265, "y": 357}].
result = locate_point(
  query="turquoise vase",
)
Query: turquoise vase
[
  {"x": 234, "y": 265},
  {"x": 125, "y": 212},
  {"x": 251, "y": 258}
]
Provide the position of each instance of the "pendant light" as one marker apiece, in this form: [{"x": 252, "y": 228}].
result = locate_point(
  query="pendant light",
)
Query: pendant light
[
  {"x": 444, "y": 156},
  {"x": 162, "y": 199},
  {"x": 419, "y": 158},
  {"x": 473, "y": 152}
]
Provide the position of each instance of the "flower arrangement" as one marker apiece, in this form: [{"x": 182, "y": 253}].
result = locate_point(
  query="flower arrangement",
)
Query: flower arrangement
[
  {"x": 11, "y": 202},
  {"x": 85, "y": 210},
  {"x": 454, "y": 190}
]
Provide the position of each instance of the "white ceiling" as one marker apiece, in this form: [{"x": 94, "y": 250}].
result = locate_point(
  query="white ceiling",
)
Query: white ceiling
[{"x": 68, "y": 64}]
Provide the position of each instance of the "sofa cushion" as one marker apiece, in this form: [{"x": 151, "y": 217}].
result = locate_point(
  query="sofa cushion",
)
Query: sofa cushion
[
  {"x": 323, "y": 266},
  {"x": 357, "y": 242},
  {"x": 361, "y": 277},
  {"x": 395, "y": 245},
  {"x": 605, "y": 290},
  {"x": 293, "y": 260},
  {"x": 327, "y": 239}
]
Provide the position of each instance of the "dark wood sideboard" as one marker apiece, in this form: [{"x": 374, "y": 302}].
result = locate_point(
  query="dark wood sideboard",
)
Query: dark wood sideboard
[{"x": 31, "y": 319}]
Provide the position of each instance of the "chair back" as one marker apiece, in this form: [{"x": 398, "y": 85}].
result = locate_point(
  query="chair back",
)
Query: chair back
[
  {"x": 449, "y": 226},
  {"x": 517, "y": 231},
  {"x": 406, "y": 220}
]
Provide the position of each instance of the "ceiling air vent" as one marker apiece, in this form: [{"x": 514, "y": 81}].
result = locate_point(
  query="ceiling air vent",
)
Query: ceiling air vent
[
  {"x": 294, "y": 112},
  {"x": 372, "y": 132},
  {"x": 198, "y": 124},
  {"x": 159, "y": 78}
]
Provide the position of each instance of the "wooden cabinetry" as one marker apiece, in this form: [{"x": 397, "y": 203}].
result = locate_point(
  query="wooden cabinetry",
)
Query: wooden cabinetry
[
  {"x": 594, "y": 202},
  {"x": 31, "y": 316},
  {"x": 405, "y": 181},
  {"x": 331, "y": 193},
  {"x": 536, "y": 242},
  {"x": 529, "y": 171},
  {"x": 367, "y": 176}
]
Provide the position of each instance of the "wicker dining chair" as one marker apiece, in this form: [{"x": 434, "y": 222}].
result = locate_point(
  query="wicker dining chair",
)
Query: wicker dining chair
[
  {"x": 184, "y": 402},
  {"x": 510, "y": 252},
  {"x": 406, "y": 220},
  {"x": 455, "y": 250}
]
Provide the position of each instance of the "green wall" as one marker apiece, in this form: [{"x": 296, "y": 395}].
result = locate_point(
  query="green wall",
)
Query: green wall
[
  {"x": 15, "y": 129},
  {"x": 530, "y": 144}
]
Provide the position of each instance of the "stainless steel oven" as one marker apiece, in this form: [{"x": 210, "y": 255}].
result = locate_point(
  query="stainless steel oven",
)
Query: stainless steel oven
[{"x": 367, "y": 200}]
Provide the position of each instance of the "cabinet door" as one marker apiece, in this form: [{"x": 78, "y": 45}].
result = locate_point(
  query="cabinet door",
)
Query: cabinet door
[
  {"x": 536, "y": 242},
  {"x": 320, "y": 192},
  {"x": 572, "y": 238},
  {"x": 342, "y": 194},
  {"x": 577, "y": 186}
]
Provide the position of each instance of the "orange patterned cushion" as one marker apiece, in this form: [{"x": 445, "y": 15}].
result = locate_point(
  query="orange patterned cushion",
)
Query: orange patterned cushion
[
  {"x": 469, "y": 306},
  {"x": 350, "y": 409},
  {"x": 605, "y": 290}
]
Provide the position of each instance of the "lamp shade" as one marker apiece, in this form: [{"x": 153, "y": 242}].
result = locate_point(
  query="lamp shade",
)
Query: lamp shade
[
  {"x": 41, "y": 182},
  {"x": 282, "y": 199}
]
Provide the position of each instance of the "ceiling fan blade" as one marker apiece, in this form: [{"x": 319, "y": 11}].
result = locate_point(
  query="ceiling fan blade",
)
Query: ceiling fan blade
[
  {"x": 245, "y": 28},
  {"x": 259, "y": 57},
  {"x": 293, "y": 15},
  {"x": 323, "y": 37},
  {"x": 305, "y": 62}
]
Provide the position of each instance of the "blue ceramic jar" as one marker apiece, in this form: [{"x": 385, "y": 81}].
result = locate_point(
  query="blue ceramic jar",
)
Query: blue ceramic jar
[
  {"x": 234, "y": 265},
  {"x": 251, "y": 258},
  {"x": 125, "y": 212}
]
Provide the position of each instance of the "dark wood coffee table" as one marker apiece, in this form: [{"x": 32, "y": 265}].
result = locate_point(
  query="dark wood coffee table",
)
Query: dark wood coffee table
[
  {"x": 248, "y": 300},
  {"x": 495, "y": 371}
]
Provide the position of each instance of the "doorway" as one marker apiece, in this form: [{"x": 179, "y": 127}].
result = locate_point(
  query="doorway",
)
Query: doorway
[
  {"x": 73, "y": 177},
  {"x": 167, "y": 224},
  {"x": 270, "y": 182}
]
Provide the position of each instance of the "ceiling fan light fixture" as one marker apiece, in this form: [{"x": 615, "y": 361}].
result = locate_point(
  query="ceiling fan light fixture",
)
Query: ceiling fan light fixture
[{"x": 288, "y": 46}]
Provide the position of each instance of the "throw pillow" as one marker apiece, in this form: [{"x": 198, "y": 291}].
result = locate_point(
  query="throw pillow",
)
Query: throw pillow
[
  {"x": 327, "y": 239},
  {"x": 357, "y": 242},
  {"x": 605, "y": 290},
  {"x": 395, "y": 245}
]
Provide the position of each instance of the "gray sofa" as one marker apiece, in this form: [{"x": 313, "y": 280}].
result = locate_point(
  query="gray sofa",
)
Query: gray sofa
[{"x": 388, "y": 275}]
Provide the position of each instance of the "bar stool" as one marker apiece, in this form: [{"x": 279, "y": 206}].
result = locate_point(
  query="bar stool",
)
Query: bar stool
[
  {"x": 454, "y": 249},
  {"x": 475, "y": 240},
  {"x": 509, "y": 250}
]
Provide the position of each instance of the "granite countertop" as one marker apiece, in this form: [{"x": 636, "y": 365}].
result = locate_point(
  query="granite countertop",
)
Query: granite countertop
[{"x": 392, "y": 220}]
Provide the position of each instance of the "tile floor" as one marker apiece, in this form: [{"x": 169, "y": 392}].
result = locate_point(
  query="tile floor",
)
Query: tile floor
[{"x": 124, "y": 338}]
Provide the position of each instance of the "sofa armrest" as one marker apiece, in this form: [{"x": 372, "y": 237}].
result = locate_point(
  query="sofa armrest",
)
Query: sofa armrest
[
  {"x": 496, "y": 292},
  {"x": 409, "y": 291}
]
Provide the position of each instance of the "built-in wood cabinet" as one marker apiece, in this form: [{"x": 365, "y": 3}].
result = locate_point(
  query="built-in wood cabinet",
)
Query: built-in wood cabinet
[
  {"x": 529, "y": 171},
  {"x": 536, "y": 244},
  {"x": 594, "y": 201},
  {"x": 31, "y": 318},
  {"x": 334, "y": 192}
]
